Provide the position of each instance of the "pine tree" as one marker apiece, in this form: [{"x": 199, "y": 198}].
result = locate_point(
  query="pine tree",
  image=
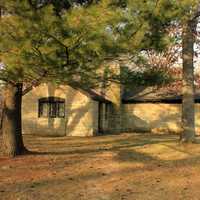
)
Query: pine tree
[
  {"x": 162, "y": 13},
  {"x": 37, "y": 45},
  {"x": 189, "y": 25},
  {"x": 66, "y": 42}
]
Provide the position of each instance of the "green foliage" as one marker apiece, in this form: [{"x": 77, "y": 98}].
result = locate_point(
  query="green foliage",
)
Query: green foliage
[
  {"x": 147, "y": 77},
  {"x": 66, "y": 41},
  {"x": 39, "y": 44}
]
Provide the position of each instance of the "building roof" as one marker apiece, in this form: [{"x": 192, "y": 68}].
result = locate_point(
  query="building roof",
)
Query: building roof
[
  {"x": 91, "y": 93},
  {"x": 165, "y": 94},
  {"x": 95, "y": 95}
]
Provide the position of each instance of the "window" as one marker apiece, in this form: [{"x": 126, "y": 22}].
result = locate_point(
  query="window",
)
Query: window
[{"x": 51, "y": 107}]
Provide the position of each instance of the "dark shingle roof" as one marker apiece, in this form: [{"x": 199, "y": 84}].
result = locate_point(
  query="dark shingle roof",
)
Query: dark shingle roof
[
  {"x": 96, "y": 96},
  {"x": 155, "y": 94}
]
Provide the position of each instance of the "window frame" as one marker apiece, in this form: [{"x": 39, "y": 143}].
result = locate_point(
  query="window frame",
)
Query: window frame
[{"x": 53, "y": 105}]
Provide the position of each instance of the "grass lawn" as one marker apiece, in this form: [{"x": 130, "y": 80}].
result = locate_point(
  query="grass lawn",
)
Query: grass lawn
[{"x": 117, "y": 167}]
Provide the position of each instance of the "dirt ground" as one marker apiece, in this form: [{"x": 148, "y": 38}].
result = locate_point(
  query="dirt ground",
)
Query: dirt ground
[{"x": 117, "y": 167}]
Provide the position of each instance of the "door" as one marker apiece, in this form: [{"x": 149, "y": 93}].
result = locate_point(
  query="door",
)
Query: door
[{"x": 100, "y": 118}]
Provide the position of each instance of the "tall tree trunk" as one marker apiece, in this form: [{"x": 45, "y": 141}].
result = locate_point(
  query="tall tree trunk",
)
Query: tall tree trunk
[
  {"x": 1, "y": 116},
  {"x": 11, "y": 127},
  {"x": 188, "y": 106}
]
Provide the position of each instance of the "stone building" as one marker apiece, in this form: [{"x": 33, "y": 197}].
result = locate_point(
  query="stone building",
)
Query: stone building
[
  {"x": 156, "y": 110},
  {"x": 67, "y": 111},
  {"x": 64, "y": 111}
]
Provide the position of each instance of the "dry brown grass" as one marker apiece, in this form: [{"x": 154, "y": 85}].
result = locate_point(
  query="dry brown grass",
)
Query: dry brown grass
[{"x": 117, "y": 167}]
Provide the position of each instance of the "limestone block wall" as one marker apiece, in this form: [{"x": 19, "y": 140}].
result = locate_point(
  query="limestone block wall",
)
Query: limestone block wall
[
  {"x": 82, "y": 119},
  {"x": 79, "y": 113},
  {"x": 155, "y": 118}
]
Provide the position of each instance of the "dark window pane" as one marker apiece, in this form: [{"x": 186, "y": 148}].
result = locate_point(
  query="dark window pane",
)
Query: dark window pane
[
  {"x": 43, "y": 109},
  {"x": 51, "y": 107},
  {"x": 61, "y": 109}
]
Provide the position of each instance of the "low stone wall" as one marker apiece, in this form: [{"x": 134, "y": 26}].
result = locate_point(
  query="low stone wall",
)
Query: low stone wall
[{"x": 156, "y": 118}]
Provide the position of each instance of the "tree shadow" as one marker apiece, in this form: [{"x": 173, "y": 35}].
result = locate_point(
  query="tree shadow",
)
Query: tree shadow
[
  {"x": 152, "y": 119},
  {"x": 95, "y": 146}
]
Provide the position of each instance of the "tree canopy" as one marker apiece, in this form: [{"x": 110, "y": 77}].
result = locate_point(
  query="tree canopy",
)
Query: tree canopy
[
  {"x": 67, "y": 41},
  {"x": 38, "y": 44}
]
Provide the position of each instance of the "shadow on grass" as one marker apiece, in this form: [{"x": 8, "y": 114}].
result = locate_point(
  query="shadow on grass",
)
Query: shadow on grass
[
  {"x": 107, "y": 145},
  {"x": 125, "y": 151},
  {"x": 123, "y": 146}
]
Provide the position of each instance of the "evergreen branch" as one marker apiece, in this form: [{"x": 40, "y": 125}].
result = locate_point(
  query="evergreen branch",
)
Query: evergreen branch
[
  {"x": 35, "y": 83},
  {"x": 61, "y": 44},
  {"x": 37, "y": 6},
  {"x": 36, "y": 49},
  {"x": 57, "y": 40},
  {"x": 7, "y": 80},
  {"x": 78, "y": 42}
]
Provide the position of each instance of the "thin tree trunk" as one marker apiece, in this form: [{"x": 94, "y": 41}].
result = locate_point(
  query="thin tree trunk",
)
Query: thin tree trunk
[
  {"x": 1, "y": 117},
  {"x": 11, "y": 127},
  {"x": 188, "y": 106}
]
